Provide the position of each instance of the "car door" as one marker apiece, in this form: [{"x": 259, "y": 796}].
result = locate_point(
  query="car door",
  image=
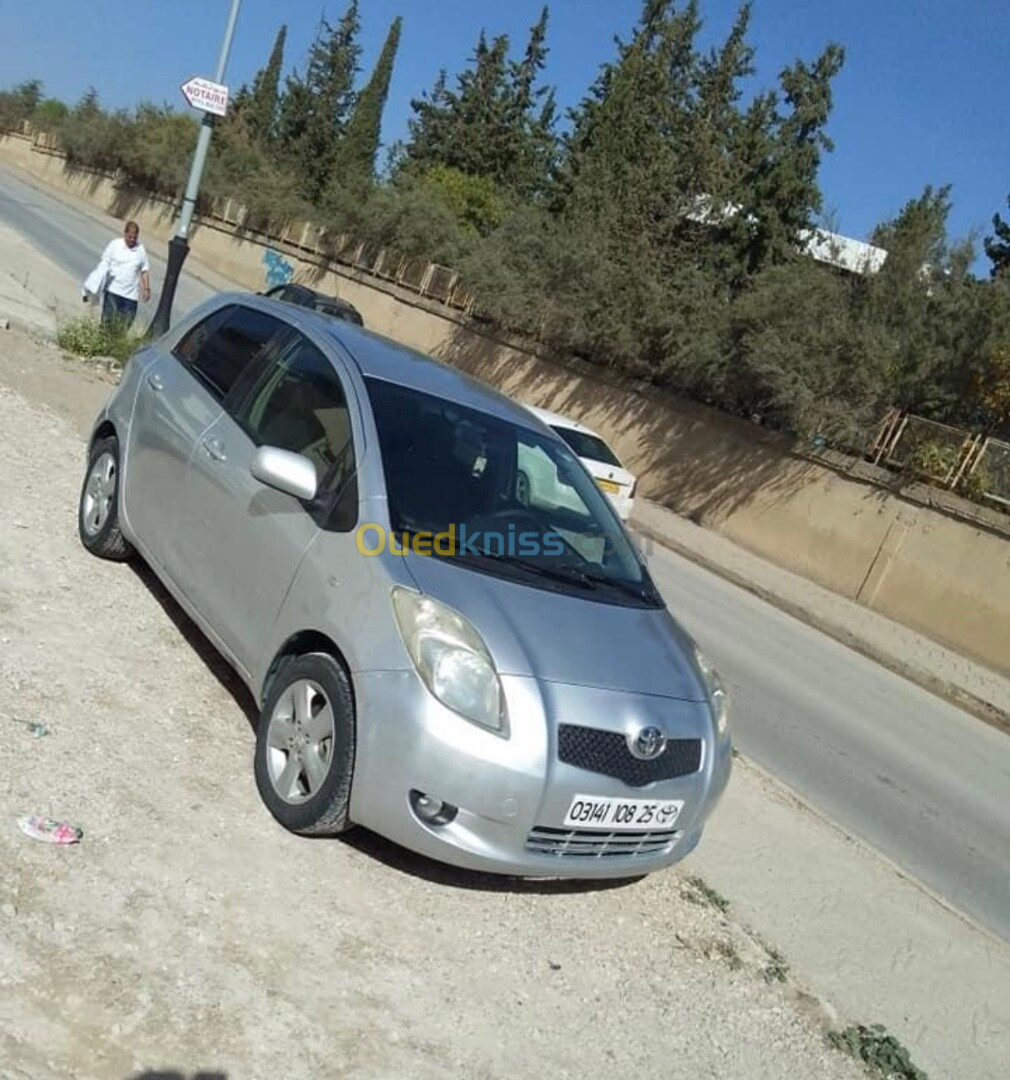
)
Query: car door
[
  {"x": 173, "y": 408},
  {"x": 181, "y": 395},
  {"x": 241, "y": 541}
]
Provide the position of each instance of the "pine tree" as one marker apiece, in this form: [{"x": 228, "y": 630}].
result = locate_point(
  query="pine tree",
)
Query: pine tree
[
  {"x": 630, "y": 155},
  {"x": 997, "y": 246},
  {"x": 263, "y": 101},
  {"x": 908, "y": 298},
  {"x": 718, "y": 120},
  {"x": 531, "y": 118},
  {"x": 429, "y": 126},
  {"x": 478, "y": 140},
  {"x": 496, "y": 124},
  {"x": 88, "y": 107},
  {"x": 355, "y": 160},
  {"x": 778, "y": 157},
  {"x": 314, "y": 111}
]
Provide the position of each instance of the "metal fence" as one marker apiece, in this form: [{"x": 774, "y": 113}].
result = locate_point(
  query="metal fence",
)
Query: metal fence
[
  {"x": 991, "y": 472},
  {"x": 928, "y": 449},
  {"x": 969, "y": 463}
]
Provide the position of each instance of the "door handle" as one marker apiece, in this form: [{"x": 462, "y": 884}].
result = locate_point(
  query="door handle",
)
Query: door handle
[
  {"x": 215, "y": 447},
  {"x": 155, "y": 383}
]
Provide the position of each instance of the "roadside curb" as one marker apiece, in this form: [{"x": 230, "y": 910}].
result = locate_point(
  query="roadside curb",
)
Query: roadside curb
[
  {"x": 921, "y": 676},
  {"x": 783, "y": 790}
]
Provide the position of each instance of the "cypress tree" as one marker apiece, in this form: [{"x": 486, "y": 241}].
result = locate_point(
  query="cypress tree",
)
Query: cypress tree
[
  {"x": 315, "y": 109},
  {"x": 261, "y": 109},
  {"x": 355, "y": 160}
]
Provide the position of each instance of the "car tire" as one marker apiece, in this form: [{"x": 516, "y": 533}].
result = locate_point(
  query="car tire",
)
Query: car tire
[
  {"x": 305, "y": 755},
  {"x": 98, "y": 506}
]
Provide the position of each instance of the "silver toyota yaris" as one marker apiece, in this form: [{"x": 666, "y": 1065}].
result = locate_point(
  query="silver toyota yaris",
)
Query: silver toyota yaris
[{"x": 449, "y": 632}]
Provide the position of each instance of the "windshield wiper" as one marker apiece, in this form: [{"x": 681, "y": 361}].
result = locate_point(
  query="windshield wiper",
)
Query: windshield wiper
[
  {"x": 639, "y": 591},
  {"x": 586, "y": 577},
  {"x": 564, "y": 572}
]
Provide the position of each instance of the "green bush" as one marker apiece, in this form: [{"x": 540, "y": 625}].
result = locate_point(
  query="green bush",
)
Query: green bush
[
  {"x": 89, "y": 338},
  {"x": 933, "y": 459},
  {"x": 976, "y": 484},
  {"x": 878, "y": 1050}
]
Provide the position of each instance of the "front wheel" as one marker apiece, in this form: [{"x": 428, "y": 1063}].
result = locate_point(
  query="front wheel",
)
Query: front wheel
[
  {"x": 305, "y": 746},
  {"x": 98, "y": 509}
]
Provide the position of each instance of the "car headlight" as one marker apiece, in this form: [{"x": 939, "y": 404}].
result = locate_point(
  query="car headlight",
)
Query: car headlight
[
  {"x": 717, "y": 696},
  {"x": 451, "y": 659}
]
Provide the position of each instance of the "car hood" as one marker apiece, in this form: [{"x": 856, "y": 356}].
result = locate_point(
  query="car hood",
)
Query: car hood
[{"x": 563, "y": 638}]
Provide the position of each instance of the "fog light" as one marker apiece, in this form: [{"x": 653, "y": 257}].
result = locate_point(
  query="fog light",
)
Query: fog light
[{"x": 430, "y": 810}]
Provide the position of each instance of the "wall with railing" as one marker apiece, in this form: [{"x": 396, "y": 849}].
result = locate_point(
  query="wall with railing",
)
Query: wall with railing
[
  {"x": 972, "y": 464},
  {"x": 427, "y": 279}
]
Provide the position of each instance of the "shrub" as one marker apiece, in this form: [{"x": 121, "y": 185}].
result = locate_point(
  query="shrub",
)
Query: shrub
[
  {"x": 878, "y": 1050},
  {"x": 89, "y": 338}
]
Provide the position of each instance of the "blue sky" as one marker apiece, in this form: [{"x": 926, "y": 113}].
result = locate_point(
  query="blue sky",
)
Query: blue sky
[{"x": 922, "y": 98}]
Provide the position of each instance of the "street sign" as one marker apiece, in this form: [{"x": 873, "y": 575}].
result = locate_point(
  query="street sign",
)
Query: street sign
[{"x": 203, "y": 94}]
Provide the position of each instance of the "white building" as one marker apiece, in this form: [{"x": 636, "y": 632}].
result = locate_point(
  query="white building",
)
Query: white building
[{"x": 833, "y": 249}]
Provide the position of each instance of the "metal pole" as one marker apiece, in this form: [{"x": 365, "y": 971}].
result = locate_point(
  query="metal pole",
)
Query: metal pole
[{"x": 178, "y": 246}]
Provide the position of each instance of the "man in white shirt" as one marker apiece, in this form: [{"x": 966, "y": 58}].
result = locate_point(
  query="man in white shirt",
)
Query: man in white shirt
[{"x": 126, "y": 275}]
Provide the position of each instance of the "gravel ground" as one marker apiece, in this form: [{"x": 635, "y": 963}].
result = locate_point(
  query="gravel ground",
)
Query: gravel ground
[{"x": 188, "y": 932}]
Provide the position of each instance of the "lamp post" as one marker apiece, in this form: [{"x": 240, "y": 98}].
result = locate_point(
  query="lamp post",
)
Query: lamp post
[{"x": 178, "y": 246}]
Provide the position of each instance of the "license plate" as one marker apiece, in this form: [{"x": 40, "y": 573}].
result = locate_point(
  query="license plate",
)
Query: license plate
[
  {"x": 615, "y": 815},
  {"x": 609, "y": 486}
]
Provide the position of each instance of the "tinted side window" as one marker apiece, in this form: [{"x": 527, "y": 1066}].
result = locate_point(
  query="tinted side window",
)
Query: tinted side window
[
  {"x": 220, "y": 357},
  {"x": 191, "y": 344},
  {"x": 294, "y": 295},
  {"x": 298, "y": 404}
]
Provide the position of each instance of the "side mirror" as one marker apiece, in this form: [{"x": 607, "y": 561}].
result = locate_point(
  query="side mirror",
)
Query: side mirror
[{"x": 281, "y": 469}]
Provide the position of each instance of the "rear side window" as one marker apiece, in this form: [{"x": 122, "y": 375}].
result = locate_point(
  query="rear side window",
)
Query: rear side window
[
  {"x": 191, "y": 344},
  {"x": 223, "y": 346},
  {"x": 588, "y": 446}
]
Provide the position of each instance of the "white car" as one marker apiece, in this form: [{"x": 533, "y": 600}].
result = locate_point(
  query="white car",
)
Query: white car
[{"x": 602, "y": 463}]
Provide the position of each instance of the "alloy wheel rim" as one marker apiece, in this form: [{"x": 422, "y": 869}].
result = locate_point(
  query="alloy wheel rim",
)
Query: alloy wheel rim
[
  {"x": 99, "y": 491},
  {"x": 300, "y": 740}
]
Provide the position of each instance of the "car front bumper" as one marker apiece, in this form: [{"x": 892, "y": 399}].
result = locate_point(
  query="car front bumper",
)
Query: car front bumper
[{"x": 513, "y": 793}]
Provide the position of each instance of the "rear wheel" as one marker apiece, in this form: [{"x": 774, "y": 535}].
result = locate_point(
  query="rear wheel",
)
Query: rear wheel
[
  {"x": 98, "y": 509},
  {"x": 305, "y": 746}
]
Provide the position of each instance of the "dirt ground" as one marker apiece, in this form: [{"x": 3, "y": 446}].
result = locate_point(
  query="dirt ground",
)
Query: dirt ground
[{"x": 190, "y": 935}]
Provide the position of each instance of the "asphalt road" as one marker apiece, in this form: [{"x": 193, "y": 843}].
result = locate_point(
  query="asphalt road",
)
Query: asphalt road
[
  {"x": 74, "y": 241},
  {"x": 922, "y": 781}
]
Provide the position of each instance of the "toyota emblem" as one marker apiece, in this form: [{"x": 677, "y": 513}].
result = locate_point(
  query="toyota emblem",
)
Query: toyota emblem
[{"x": 648, "y": 744}]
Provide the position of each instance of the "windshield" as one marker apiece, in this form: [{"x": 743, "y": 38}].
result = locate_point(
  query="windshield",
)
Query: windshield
[
  {"x": 587, "y": 446},
  {"x": 500, "y": 498}
]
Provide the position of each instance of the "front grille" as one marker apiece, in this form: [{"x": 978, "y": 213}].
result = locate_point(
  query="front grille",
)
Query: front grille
[
  {"x": 607, "y": 752},
  {"x": 585, "y": 844}
]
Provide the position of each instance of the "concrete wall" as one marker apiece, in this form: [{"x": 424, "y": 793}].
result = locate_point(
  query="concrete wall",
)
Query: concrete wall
[{"x": 922, "y": 565}]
